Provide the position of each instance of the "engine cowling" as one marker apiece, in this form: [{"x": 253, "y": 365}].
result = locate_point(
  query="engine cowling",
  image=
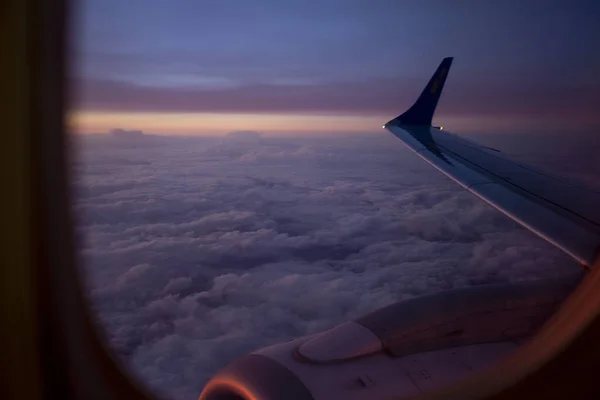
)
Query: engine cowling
[{"x": 398, "y": 351}]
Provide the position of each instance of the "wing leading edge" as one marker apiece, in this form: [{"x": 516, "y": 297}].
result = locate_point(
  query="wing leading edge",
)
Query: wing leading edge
[{"x": 563, "y": 213}]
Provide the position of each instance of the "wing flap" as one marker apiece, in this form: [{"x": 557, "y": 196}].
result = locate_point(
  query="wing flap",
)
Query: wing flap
[
  {"x": 525, "y": 195},
  {"x": 575, "y": 198}
]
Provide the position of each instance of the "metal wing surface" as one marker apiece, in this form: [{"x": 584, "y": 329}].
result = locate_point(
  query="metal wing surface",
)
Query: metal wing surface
[{"x": 564, "y": 213}]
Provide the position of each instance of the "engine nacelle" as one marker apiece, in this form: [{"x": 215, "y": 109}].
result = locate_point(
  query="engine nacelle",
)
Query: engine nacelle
[{"x": 398, "y": 351}]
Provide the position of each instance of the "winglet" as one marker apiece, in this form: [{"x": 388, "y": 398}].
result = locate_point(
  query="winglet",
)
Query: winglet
[{"x": 421, "y": 113}]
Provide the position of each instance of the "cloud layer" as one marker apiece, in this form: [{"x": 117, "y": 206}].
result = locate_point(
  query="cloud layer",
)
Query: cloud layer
[{"x": 197, "y": 251}]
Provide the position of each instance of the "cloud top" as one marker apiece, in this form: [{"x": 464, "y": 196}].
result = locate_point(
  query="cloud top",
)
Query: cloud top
[{"x": 201, "y": 250}]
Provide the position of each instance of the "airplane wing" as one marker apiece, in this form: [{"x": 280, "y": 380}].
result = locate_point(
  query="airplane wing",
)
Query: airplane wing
[{"x": 562, "y": 212}]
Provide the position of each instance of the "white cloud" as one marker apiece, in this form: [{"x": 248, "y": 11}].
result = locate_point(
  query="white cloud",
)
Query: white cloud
[{"x": 199, "y": 251}]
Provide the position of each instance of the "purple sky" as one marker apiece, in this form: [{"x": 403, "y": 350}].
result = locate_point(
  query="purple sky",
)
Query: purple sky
[{"x": 513, "y": 59}]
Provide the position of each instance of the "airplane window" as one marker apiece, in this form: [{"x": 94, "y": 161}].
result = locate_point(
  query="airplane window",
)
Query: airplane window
[{"x": 235, "y": 189}]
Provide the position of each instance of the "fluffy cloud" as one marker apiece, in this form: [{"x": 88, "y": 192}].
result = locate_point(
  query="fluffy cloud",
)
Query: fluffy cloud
[{"x": 200, "y": 250}]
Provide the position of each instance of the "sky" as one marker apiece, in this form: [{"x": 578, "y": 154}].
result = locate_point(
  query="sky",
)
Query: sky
[
  {"x": 209, "y": 67},
  {"x": 197, "y": 251}
]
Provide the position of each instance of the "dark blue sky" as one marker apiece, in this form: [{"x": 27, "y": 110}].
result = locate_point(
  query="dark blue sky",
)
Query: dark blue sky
[{"x": 513, "y": 59}]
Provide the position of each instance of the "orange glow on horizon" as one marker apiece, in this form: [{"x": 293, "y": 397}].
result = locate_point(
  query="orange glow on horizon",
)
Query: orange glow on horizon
[
  {"x": 203, "y": 124},
  {"x": 215, "y": 124}
]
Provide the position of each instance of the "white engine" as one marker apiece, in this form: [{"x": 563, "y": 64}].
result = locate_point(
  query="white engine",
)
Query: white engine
[{"x": 398, "y": 351}]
